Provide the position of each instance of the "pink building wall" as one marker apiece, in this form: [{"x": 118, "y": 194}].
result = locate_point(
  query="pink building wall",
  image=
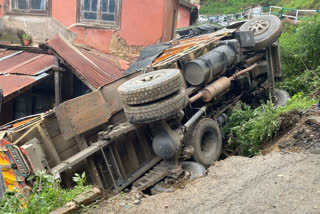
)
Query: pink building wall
[
  {"x": 143, "y": 22},
  {"x": 183, "y": 19}
]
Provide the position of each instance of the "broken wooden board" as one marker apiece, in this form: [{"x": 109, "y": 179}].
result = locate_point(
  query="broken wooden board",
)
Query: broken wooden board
[
  {"x": 85, "y": 198},
  {"x": 81, "y": 114}
]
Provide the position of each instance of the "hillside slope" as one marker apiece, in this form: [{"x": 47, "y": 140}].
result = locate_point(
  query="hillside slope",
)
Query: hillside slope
[{"x": 213, "y": 7}]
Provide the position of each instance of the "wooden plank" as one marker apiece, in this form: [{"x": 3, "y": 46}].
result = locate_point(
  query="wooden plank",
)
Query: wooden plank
[
  {"x": 48, "y": 142},
  {"x": 91, "y": 167},
  {"x": 52, "y": 126},
  {"x": 73, "y": 160},
  {"x": 81, "y": 114},
  {"x": 73, "y": 150},
  {"x": 62, "y": 145},
  {"x": 111, "y": 96}
]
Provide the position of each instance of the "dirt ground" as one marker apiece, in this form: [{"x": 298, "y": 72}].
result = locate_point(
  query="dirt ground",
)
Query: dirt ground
[{"x": 285, "y": 180}]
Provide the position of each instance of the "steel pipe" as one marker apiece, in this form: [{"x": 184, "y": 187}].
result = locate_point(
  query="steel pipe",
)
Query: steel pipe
[
  {"x": 195, "y": 117},
  {"x": 218, "y": 87}
]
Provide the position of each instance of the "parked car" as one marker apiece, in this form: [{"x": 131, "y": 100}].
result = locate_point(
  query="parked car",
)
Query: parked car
[
  {"x": 214, "y": 18},
  {"x": 203, "y": 19}
]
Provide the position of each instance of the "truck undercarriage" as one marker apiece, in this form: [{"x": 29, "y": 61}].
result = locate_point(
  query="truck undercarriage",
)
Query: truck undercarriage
[{"x": 143, "y": 127}]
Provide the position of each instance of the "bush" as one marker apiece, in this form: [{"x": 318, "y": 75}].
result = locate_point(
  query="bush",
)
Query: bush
[
  {"x": 248, "y": 128},
  {"x": 45, "y": 195},
  {"x": 300, "y": 50}
]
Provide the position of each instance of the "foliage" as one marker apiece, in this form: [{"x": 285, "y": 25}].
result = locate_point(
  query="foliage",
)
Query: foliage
[
  {"x": 249, "y": 128},
  {"x": 300, "y": 50},
  {"x": 255, "y": 127},
  {"x": 314, "y": 4},
  {"x": 45, "y": 195},
  {"x": 26, "y": 36},
  {"x": 214, "y": 7}
]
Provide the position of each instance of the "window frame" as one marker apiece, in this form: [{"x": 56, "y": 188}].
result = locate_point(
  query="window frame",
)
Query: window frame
[
  {"x": 9, "y": 11},
  {"x": 81, "y": 22}
]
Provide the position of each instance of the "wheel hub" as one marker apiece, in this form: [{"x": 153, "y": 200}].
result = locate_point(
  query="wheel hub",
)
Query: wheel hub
[
  {"x": 147, "y": 78},
  {"x": 259, "y": 27}
]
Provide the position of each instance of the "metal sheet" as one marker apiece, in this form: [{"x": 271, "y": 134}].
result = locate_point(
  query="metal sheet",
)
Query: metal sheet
[
  {"x": 93, "y": 71},
  {"x": 15, "y": 84},
  {"x": 16, "y": 60},
  {"x": 34, "y": 67},
  {"x": 4, "y": 54},
  {"x": 12, "y": 83}
]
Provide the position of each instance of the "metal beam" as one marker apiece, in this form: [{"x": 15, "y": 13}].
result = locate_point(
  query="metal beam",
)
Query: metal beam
[{"x": 39, "y": 50}]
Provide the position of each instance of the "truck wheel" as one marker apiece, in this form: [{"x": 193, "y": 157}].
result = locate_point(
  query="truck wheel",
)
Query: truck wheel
[
  {"x": 206, "y": 139},
  {"x": 155, "y": 111},
  {"x": 267, "y": 30},
  {"x": 195, "y": 169},
  {"x": 150, "y": 86},
  {"x": 160, "y": 188},
  {"x": 280, "y": 97},
  {"x": 2, "y": 185}
]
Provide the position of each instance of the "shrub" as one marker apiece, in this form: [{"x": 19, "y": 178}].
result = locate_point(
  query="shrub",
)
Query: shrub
[
  {"x": 249, "y": 128},
  {"x": 300, "y": 50},
  {"x": 45, "y": 195}
]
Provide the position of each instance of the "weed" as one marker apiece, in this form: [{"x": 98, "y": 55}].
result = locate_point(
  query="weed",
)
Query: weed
[
  {"x": 249, "y": 128},
  {"x": 45, "y": 195}
]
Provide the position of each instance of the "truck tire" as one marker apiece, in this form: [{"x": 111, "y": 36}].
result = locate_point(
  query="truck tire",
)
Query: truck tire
[
  {"x": 2, "y": 185},
  {"x": 150, "y": 86},
  {"x": 195, "y": 169},
  {"x": 155, "y": 111},
  {"x": 206, "y": 139},
  {"x": 280, "y": 97},
  {"x": 267, "y": 30}
]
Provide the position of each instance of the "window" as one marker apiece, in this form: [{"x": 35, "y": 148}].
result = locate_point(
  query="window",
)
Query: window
[
  {"x": 39, "y": 7},
  {"x": 101, "y": 12}
]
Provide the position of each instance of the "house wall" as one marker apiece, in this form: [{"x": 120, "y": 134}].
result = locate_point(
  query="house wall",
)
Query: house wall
[
  {"x": 170, "y": 19},
  {"x": 183, "y": 19},
  {"x": 143, "y": 22}
]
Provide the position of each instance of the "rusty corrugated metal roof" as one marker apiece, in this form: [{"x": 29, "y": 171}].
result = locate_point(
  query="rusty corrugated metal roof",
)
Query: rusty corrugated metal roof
[
  {"x": 20, "y": 70},
  {"x": 4, "y": 53},
  {"x": 94, "y": 70},
  {"x": 14, "y": 83},
  {"x": 25, "y": 63},
  {"x": 34, "y": 67}
]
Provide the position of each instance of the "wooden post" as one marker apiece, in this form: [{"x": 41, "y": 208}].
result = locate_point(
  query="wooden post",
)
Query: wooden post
[
  {"x": 48, "y": 142},
  {"x": 57, "y": 82}
]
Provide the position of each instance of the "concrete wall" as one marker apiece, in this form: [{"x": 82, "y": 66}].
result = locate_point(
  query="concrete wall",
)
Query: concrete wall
[
  {"x": 143, "y": 22},
  {"x": 183, "y": 19}
]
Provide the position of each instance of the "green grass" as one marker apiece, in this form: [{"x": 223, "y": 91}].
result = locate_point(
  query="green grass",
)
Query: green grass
[
  {"x": 300, "y": 50},
  {"x": 249, "y": 128},
  {"x": 219, "y": 7},
  {"x": 45, "y": 195}
]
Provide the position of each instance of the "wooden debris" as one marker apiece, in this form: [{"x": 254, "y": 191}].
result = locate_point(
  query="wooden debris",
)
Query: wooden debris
[{"x": 85, "y": 198}]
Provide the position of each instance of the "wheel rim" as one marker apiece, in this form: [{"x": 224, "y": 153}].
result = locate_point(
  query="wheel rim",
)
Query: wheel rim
[
  {"x": 259, "y": 27},
  {"x": 208, "y": 141},
  {"x": 147, "y": 78},
  {"x": 275, "y": 99}
]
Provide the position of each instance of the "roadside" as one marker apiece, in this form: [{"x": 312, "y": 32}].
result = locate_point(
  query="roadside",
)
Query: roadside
[{"x": 284, "y": 181}]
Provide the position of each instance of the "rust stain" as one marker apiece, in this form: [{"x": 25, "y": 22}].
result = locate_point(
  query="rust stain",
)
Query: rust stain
[{"x": 96, "y": 70}]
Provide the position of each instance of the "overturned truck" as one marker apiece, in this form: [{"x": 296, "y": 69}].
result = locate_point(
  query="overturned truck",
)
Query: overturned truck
[{"x": 169, "y": 108}]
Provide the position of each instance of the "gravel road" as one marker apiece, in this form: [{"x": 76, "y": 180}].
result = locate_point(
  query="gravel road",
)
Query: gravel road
[{"x": 280, "y": 182}]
